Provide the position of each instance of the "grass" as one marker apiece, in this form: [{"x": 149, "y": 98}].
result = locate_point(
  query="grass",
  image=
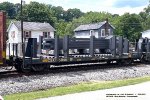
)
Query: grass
[{"x": 81, "y": 87}]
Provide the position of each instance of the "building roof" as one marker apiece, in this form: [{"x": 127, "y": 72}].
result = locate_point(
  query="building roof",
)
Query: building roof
[
  {"x": 33, "y": 26},
  {"x": 91, "y": 26},
  {"x": 147, "y": 31},
  {"x": 146, "y": 34}
]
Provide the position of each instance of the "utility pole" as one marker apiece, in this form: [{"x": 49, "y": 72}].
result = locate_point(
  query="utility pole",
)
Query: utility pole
[{"x": 22, "y": 36}]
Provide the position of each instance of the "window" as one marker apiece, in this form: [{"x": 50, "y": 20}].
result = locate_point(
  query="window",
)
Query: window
[
  {"x": 46, "y": 34},
  {"x": 13, "y": 34},
  {"x": 27, "y": 34},
  {"x": 91, "y": 32},
  {"x": 102, "y": 32},
  {"x": 109, "y": 31},
  {"x": 78, "y": 34}
]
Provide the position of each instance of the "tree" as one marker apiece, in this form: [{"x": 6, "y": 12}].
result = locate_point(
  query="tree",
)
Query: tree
[
  {"x": 145, "y": 15},
  {"x": 58, "y": 12},
  {"x": 17, "y": 7},
  {"x": 130, "y": 26},
  {"x": 37, "y": 12},
  {"x": 70, "y": 14},
  {"x": 9, "y": 8},
  {"x": 61, "y": 28}
]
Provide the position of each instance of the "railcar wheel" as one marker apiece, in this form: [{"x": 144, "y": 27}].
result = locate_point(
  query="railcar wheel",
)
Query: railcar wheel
[
  {"x": 38, "y": 68},
  {"x": 18, "y": 64},
  {"x": 119, "y": 62},
  {"x": 124, "y": 62},
  {"x": 127, "y": 61},
  {"x": 20, "y": 68},
  {"x": 17, "y": 67},
  {"x": 25, "y": 69},
  {"x": 108, "y": 62},
  {"x": 143, "y": 59}
]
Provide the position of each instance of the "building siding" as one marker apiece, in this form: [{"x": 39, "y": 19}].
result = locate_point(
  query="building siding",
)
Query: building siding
[
  {"x": 97, "y": 32},
  {"x": 10, "y": 38},
  {"x": 85, "y": 34},
  {"x": 18, "y": 39}
]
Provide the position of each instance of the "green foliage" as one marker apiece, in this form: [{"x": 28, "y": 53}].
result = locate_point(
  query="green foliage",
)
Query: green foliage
[
  {"x": 65, "y": 21},
  {"x": 93, "y": 17},
  {"x": 145, "y": 15},
  {"x": 37, "y": 12},
  {"x": 129, "y": 26},
  {"x": 70, "y": 14},
  {"x": 10, "y": 9},
  {"x": 58, "y": 12},
  {"x": 60, "y": 27}
]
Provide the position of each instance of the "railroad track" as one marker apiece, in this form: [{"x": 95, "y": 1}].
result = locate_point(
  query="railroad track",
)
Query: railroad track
[
  {"x": 85, "y": 67},
  {"x": 65, "y": 68},
  {"x": 13, "y": 73}
]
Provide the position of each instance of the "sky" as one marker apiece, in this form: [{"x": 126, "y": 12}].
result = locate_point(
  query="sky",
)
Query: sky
[{"x": 112, "y": 6}]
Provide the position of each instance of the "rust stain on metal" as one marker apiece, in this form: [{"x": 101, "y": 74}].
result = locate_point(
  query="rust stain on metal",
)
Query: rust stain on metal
[{"x": 2, "y": 35}]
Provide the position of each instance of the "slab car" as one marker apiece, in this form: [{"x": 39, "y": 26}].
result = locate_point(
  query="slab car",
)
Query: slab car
[{"x": 69, "y": 50}]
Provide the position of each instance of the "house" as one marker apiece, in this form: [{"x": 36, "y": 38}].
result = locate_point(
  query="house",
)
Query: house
[
  {"x": 101, "y": 29},
  {"x": 146, "y": 34},
  {"x": 30, "y": 29}
]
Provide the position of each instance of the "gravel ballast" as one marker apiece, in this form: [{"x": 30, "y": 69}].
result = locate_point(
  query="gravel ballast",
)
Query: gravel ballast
[{"x": 38, "y": 82}]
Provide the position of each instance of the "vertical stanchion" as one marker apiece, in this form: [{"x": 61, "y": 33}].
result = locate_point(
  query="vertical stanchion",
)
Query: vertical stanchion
[
  {"x": 113, "y": 46},
  {"x": 120, "y": 46},
  {"x": 32, "y": 52},
  {"x": 147, "y": 50},
  {"x": 56, "y": 49},
  {"x": 92, "y": 46},
  {"x": 126, "y": 46},
  {"x": 66, "y": 46},
  {"x": 40, "y": 44}
]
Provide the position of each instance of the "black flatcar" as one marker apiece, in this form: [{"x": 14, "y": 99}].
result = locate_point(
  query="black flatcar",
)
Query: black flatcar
[{"x": 71, "y": 51}]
